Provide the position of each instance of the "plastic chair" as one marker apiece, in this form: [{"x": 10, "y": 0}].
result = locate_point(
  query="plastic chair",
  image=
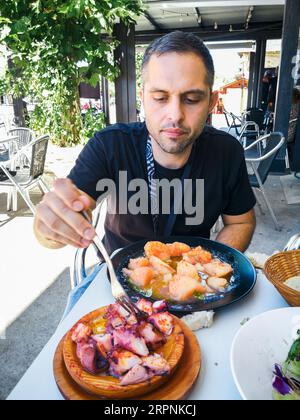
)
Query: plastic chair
[
  {"x": 22, "y": 180},
  {"x": 274, "y": 143}
]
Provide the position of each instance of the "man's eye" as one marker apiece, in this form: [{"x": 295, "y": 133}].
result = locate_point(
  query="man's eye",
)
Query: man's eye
[
  {"x": 160, "y": 99},
  {"x": 192, "y": 101}
]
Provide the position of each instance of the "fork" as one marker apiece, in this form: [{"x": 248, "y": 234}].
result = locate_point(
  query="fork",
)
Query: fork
[{"x": 117, "y": 289}]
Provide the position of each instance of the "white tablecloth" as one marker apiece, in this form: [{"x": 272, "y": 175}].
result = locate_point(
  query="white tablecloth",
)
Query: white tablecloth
[{"x": 215, "y": 381}]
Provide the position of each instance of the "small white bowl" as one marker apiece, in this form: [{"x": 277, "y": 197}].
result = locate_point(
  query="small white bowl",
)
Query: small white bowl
[{"x": 258, "y": 346}]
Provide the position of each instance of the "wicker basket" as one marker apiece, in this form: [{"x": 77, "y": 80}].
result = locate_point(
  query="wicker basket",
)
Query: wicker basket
[{"x": 281, "y": 267}]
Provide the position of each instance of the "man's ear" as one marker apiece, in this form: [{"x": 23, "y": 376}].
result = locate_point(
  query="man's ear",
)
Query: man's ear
[{"x": 213, "y": 100}]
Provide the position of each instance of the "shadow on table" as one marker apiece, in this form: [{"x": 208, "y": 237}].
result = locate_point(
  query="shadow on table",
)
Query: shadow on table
[{"x": 27, "y": 336}]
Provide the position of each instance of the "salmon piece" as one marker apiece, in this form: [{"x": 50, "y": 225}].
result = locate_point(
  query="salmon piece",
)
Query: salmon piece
[
  {"x": 183, "y": 288},
  {"x": 200, "y": 267},
  {"x": 157, "y": 249},
  {"x": 218, "y": 268},
  {"x": 177, "y": 249},
  {"x": 217, "y": 283},
  {"x": 185, "y": 269},
  {"x": 138, "y": 263},
  {"x": 140, "y": 276},
  {"x": 161, "y": 267},
  {"x": 198, "y": 255}
]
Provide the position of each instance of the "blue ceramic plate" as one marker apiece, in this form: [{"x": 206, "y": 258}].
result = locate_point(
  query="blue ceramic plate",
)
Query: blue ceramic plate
[{"x": 242, "y": 281}]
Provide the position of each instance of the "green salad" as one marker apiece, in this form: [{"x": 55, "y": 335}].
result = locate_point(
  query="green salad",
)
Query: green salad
[{"x": 286, "y": 384}]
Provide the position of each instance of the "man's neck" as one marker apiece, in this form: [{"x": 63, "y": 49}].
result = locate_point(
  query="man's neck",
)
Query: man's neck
[{"x": 168, "y": 160}]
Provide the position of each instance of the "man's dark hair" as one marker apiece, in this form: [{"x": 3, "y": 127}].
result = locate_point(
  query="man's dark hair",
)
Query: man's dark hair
[
  {"x": 182, "y": 42},
  {"x": 296, "y": 95}
]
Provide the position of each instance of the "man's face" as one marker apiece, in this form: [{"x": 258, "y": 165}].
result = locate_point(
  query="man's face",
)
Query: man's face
[{"x": 177, "y": 100}]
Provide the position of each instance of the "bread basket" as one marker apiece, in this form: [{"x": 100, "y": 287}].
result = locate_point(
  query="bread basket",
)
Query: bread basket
[{"x": 281, "y": 267}]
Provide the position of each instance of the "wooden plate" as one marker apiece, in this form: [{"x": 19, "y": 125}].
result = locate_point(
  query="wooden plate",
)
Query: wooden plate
[
  {"x": 177, "y": 386},
  {"x": 109, "y": 387}
]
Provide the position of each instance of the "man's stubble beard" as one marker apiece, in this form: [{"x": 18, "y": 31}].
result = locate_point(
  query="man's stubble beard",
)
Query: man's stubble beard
[
  {"x": 177, "y": 149},
  {"x": 180, "y": 148}
]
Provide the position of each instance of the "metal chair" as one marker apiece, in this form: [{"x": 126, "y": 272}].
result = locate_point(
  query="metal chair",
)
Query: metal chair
[
  {"x": 23, "y": 180},
  {"x": 7, "y": 148},
  {"x": 78, "y": 266},
  {"x": 24, "y": 137},
  {"x": 250, "y": 130},
  {"x": 256, "y": 115},
  {"x": 274, "y": 143},
  {"x": 244, "y": 128},
  {"x": 254, "y": 127},
  {"x": 293, "y": 244},
  {"x": 236, "y": 122}
]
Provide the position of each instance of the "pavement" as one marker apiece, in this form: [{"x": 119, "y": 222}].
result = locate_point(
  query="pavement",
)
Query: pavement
[{"x": 35, "y": 282}]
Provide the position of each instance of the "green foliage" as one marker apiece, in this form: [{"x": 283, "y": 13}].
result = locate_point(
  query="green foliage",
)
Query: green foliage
[
  {"x": 47, "y": 39},
  {"x": 139, "y": 82},
  {"x": 4, "y": 86},
  {"x": 93, "y": 122}
]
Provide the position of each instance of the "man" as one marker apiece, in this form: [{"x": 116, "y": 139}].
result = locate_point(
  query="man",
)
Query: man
[{"x": 174, "y": 143}]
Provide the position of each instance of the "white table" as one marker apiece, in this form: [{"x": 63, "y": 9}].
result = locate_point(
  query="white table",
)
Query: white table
[{"x": 215, "y": 381}]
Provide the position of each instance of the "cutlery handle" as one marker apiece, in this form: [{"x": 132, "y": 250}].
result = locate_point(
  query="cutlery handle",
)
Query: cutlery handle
[{"x": 97, "y": 243}]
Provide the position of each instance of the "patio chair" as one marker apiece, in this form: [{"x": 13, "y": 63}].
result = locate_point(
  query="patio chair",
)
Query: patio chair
[
  {"x": 256, "y": 115},
  {"x": 254, "y": 126},
  {"x": 3, "y": 130},
  {"x": 250, "y": 130},
  {"x": 78, "y": 264},
  {"x": 8, "y": 148},
  {"x": 274, "y": 143},
  {"x": 244, "y": 129},
  {"x": 236, "y": 122},
  {"x": 80, "y": 279},
  {"x": 293, "y": 244},
  {"x": 23, "y": 180},
  {"x": 24, "y": 137}
]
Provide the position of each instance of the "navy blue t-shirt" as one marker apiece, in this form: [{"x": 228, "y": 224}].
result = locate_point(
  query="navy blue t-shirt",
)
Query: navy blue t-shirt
[{"x": 218, "y": 159}]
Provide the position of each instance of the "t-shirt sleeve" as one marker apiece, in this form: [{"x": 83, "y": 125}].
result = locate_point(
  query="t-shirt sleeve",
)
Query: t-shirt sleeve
[
  {"x": 91, "y": 167},
  {"x": 240, "y": 196}
]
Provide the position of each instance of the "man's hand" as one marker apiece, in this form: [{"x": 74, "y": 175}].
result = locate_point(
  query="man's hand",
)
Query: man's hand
[
  {"x": 238, "y": 230},
  {"x": 58, "y": 221}
]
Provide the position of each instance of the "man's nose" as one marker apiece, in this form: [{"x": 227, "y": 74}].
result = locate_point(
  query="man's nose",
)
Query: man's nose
[{"x": 175, "y": 111}]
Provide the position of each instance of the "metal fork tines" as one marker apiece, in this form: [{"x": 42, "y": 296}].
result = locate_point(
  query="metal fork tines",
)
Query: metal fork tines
[{"x": 117, "y": 289}]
